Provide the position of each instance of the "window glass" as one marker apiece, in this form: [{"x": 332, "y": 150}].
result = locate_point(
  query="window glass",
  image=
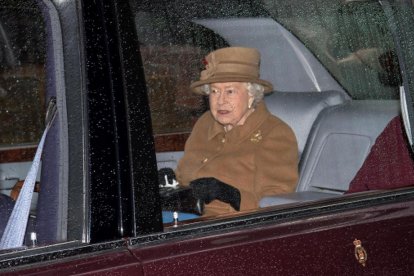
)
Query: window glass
[
  {"x": 312, "y": 46},
  {"x": 401, "y": 17},
  {"x": 172, "y": 46},
  {"x": 22, "y": 74},
  {"x": 26, "y": 29},
  {"x": 351, "y": 40}
]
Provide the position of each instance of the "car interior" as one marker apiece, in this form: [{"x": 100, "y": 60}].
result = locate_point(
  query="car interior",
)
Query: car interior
[
  {"x": 334, "y": 135},
  {"x": 48, "y": 210},
  {"x": 334, "y": 131}
]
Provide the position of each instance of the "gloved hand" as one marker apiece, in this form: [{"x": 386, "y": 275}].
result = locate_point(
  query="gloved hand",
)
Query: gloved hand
[
  {"x": 178, "y": 198},
  {"x": 208, "y": 189},
  {"x": 165, "y": 172}
]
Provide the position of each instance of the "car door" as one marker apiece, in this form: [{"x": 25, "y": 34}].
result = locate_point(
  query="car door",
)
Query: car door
[
  {"x": 322, "y": 242},
  {"x": 347, "y": 235}
]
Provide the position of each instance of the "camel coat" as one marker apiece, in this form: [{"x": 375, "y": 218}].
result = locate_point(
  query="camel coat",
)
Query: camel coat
[{"x": 259, "y": 158}]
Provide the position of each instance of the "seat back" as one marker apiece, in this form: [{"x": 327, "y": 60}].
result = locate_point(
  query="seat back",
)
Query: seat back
[
  {"x": 52, "y": 201},
  {"x": 6, "y": 207},
  {"x": 340, "y": 141},
  {"x": 300, "y": 109}
]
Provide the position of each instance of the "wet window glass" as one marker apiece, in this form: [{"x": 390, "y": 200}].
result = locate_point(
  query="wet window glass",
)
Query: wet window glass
[
  {"x": 172, "y": 49},
  {"x": 173, "y": 44},
  {"x": 346, "y": 49},
  {"x": 22, "y": 74},
  {"x": 349, "y": 46},
  {"x": 401, "y": 18},
  {"x": 23, "y": 97},
  {"x": 351, "y": 38}
]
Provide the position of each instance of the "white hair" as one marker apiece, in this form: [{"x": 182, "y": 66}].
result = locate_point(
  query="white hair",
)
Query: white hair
[{"x": 254, "y": 89}]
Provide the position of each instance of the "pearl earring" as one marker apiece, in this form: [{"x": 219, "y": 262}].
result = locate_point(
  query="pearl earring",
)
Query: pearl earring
[{"x": 250, "y": 104}]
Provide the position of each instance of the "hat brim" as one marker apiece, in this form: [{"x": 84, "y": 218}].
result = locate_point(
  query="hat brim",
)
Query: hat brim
[{"x": 197, "y": 85}]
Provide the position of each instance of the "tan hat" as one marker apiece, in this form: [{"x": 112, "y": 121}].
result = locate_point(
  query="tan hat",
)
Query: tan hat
[{"x": 232, "y": 64}]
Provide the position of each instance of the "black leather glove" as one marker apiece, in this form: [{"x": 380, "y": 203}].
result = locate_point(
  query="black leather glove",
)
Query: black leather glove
[
  {"x": 165, "y": 172},
  {"x": 208, "y": 189}
]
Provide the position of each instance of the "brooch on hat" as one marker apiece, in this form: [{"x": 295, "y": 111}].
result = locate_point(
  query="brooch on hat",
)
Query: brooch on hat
[
  {"x": 205, "y": 62},
  {"x": 256, "y": 137},
  {"x": 209, "y": 64}
]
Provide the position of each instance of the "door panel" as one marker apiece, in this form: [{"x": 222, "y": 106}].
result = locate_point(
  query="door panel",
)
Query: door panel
[
  {"x": 119, "y": 262},
  {"x": 317, "y": 246}
]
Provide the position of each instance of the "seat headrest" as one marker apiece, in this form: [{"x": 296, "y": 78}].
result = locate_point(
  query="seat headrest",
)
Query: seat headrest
[{"x": 300, "y": 109}]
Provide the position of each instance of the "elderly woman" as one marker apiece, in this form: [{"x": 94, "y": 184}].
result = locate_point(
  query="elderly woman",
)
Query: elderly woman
[{"x": 237, "y": 152}]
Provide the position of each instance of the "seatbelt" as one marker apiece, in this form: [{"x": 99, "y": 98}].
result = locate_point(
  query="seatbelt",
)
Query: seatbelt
[{"x": 13, "y": 235}]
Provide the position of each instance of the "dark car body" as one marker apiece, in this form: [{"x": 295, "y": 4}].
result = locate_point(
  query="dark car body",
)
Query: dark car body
[{"x": 112, "y": 66}]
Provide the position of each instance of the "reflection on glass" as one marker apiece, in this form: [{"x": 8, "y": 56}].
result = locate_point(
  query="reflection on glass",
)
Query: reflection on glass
[{"x": 22, "y": 74}]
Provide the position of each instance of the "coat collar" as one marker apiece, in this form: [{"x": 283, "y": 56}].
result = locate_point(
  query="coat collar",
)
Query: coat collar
[{"x": 239, "y": 133}]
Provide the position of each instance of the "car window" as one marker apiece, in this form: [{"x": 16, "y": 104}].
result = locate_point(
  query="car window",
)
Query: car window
[
  {"x": 351, "y": 40},
  {"x": 22, "y": 87},
  {"x": 337, "y": 58},
  {"x": 400, "y": 17},
  {"x": 22, "y": 93},
  {"x": 168, "y": 48},
  {"x": 31, "y": 76}
]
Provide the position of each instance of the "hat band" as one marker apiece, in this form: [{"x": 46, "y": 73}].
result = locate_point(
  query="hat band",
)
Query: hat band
[{"x": 248, "y": 70}]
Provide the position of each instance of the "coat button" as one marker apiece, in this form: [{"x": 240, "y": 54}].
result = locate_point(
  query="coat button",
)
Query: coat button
[
  {"x": 205, "y": 160},
  {"x": 223, "y": 140}
]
